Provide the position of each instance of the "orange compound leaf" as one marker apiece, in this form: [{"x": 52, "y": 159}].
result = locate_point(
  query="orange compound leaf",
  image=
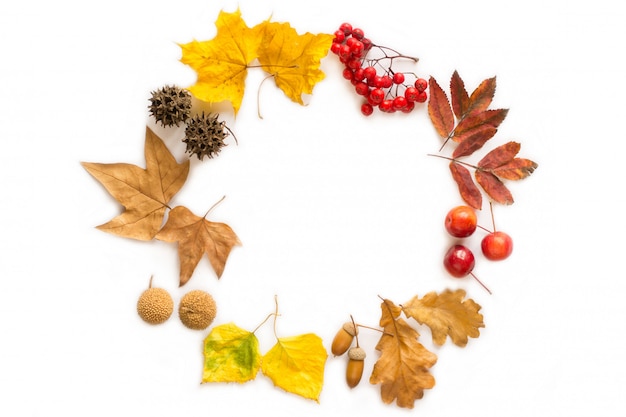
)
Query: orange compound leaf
[
  {"x": 458, "y": 95},
  {"x": 144, "y": 193},
  {"x": 485, "y": 118},
  {"x": 501, "y": 162},
  {"x": 403, "y": 366},
  {"x": 222, "y": 63},
  {"x": 196, "y": 236},
  {"x": 439, "y": 109},
  {"x": 292, "y": 59},
  {"x": 447, "y": 314},
  {"x": 494, "y": 187},
  {"x": 501, "y": 155},
  {"x": 517, "y": 169},
  {"x": 468, "y": 190},
  {"x": 481, "y": 97},
  {"x": 474, "y": 141}
]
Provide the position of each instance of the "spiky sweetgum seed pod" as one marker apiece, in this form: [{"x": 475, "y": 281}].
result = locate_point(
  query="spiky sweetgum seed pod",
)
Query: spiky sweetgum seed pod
[
  {"x": 155, "y": 305},
  {"x": 197, "y": 310},
  {"x": 204, "y": 135},
  {"x": 171, "y": 105}
]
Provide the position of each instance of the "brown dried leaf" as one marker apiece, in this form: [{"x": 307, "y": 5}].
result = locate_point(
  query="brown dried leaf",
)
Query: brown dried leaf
[
  {"x": 501, "y": 161},
  {"x": 475, "y": 140},
  {"x": 144, "y": 193},
  {"x": 499, "y": 156},
  {"x": 517, "y": 169},
  {"x": 468, "y": 190},
  {"x": 481, "y": 97},
  {"x": 403, "y": 366},
  {"x": 458, "y": 95},
  {"x": 439, "y": 109},
  {"x": 196, "y": 236},
  {"x": 448, "y": 315},
  {"x": 471, "y": 123},
  {"x": 494, "y": 187}
]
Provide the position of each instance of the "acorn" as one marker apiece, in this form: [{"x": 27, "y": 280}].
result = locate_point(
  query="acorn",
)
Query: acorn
[
  {"x": 343, "y": 339},
  {"x": 170, "y": 105},
  {"x": 155, "y": 305},
  {"x": 197, "y": 310},
  {"x": 356, "y": 363},
  {"x": 204, "y": 135}
]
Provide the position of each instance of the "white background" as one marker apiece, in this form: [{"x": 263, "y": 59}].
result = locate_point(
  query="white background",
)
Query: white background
[{"x": 333, "y": 209}]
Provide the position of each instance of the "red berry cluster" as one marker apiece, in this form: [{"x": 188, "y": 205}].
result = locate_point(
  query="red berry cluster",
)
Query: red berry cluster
[
  {"x": 373, "y": 76},
  {"x": 459, "y": 261}
]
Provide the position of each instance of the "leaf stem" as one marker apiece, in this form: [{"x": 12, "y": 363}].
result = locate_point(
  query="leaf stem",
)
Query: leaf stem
[
  {"x": 272, "y": 65},
  {"x": 258, "y": 97},
  {"x": 275, "y": 315},
  {"x": 453, "y": 160},
  {"x": 213, "y": 206},
  {"x": 263, "y": 322}
]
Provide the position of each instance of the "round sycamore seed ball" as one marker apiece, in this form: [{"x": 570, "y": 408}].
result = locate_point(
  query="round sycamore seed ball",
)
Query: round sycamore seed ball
[
  {"x": 197, "y": 310},
  {"x": 155, "y": 305}
]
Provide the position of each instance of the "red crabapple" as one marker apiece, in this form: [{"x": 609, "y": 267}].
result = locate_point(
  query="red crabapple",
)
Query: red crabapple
[
  {"x": 461, "y": 221},
  {"x": 459, "y": 261},
  {"x": 497, "y": 246}
]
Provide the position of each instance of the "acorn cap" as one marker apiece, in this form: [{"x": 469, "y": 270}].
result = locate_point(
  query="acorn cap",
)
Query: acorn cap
[
  {"x": 356, "y": 353},
  {"x": 197, "y": 310},
  {"x": 350, "y": 328}
]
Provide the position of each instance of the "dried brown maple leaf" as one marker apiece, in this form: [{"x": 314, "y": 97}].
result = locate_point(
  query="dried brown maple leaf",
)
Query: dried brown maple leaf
[
  {"x": 447, "y": 314},
  {"x": 144, "y": 193},
  {"x": 196, "y": 236},
  {"x": 403, "y": 366}
]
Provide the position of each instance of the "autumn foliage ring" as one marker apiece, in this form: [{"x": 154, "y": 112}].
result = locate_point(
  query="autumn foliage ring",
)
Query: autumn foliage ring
[{"x": 296, "y": 364}]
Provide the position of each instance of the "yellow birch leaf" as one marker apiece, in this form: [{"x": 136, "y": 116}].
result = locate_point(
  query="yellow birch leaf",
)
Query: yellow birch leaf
[
  {"x": 296, "y": 364},
  {"x": 196, "y": 236},
  {"x": 144, "y": 193},
  {"x": 447, "y": 314},
  {"x": 292, "y": 59},
  {"x": 222, "y": 63},
  {"x": 231, "y": 354}
]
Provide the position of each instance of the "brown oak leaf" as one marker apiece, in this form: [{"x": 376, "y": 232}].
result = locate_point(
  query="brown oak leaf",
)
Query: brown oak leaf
[
  {"x": 196, "y": 236},
  {"x": 447, "y": 314},
  {"x": 403, "y": 366},
  {"x": 144, "y": 193}
]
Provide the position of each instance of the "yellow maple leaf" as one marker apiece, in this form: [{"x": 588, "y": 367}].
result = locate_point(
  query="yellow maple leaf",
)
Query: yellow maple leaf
[
  {"x": 296, "y": 364},
  {"x": 196, "y": 236},
  {"x": 403, "y": 366},
  {"x": 292, "y": 59},
  {"x": 447, "y": 314},
  {"x": 144, "y": 193},
  {"x": 231, "y": 354},
  {"x": 222, "y": 63}
]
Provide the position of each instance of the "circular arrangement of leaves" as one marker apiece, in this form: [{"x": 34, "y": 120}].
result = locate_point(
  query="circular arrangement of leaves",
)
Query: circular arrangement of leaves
[{"x": 296, "y": 364}]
